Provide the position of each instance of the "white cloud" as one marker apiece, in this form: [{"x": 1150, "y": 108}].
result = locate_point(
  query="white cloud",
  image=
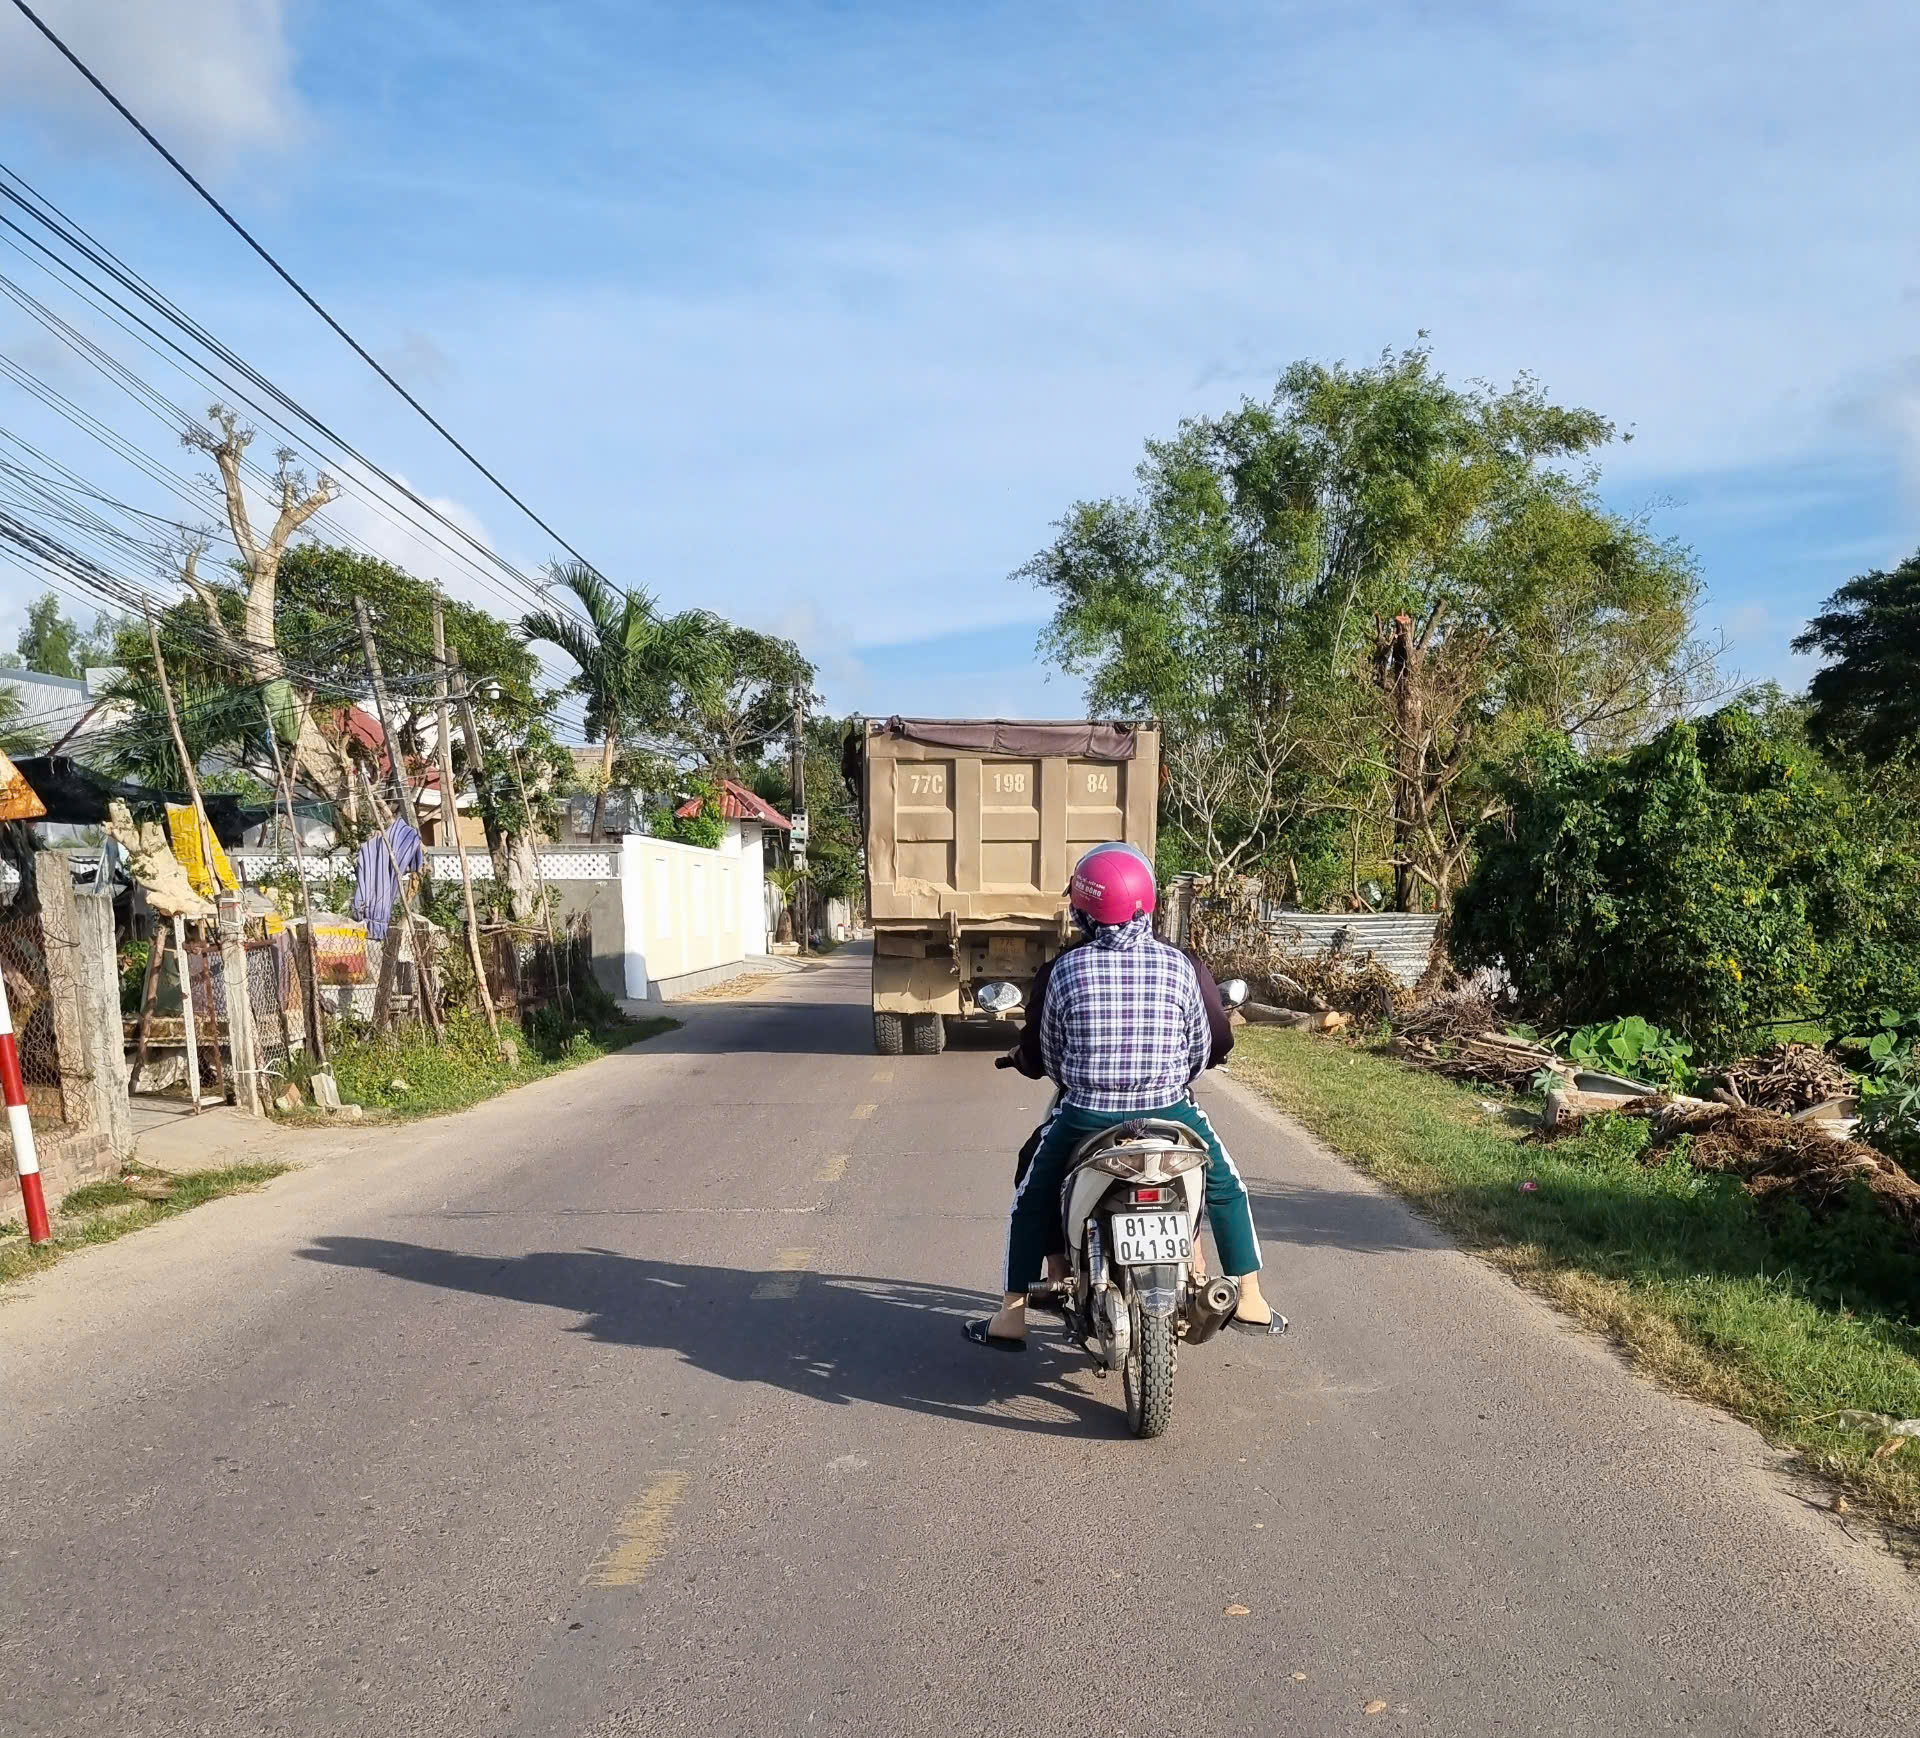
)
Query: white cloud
[{"x": 212, "y": 78}]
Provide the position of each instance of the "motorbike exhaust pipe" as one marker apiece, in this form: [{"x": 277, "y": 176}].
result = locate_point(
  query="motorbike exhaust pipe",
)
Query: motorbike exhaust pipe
[{"x": 1218, "y": 1299}]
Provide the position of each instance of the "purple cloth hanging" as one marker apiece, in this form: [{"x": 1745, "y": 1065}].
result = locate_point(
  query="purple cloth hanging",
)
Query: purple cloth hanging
[{"x": 375, "y": 890}]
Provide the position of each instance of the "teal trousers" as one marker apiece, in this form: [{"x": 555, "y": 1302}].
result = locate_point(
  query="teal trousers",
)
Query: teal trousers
[{"x": 1033, "y": 1227}]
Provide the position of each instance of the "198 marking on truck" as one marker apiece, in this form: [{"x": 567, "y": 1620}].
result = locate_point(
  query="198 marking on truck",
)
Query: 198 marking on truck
[{"x": 1010, "y": 783}]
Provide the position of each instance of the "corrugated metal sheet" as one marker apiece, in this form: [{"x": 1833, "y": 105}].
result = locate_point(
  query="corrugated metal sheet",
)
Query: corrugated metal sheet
[{"x": 1400, "y": 941}]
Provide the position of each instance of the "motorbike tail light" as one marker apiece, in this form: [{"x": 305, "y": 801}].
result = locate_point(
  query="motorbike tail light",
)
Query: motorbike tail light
[{"x": 1150, "y": 1197}]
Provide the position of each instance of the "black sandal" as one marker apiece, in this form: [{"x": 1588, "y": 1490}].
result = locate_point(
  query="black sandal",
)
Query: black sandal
[
  {"x": 1266, "y": 1330},
  {"x": 975, "y": 1331}
]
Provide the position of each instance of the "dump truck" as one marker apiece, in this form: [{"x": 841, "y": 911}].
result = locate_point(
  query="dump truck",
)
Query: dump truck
[{"x": 972, "y": 830}]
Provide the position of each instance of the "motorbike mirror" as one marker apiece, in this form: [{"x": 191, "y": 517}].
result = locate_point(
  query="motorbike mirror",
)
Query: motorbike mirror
[{"x": 1235, "y": 991}]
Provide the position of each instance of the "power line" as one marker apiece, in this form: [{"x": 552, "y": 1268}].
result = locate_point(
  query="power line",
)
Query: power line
[
  {"x": 287, "y": 277},
  {"x": 461, "y": 544}
]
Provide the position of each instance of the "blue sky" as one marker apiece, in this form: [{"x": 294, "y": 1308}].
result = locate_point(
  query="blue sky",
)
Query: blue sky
[{"x": 819, "y": 314}]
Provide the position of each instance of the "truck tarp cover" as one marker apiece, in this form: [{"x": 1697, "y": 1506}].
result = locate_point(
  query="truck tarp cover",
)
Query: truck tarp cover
[{"x": 1005, "y": 736}]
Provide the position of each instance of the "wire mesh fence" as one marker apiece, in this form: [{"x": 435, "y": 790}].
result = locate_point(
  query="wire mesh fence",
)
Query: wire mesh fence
[{"x": 23, "y": 958}]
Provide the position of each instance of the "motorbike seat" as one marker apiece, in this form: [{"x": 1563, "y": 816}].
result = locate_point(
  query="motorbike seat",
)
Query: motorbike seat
[{"x": 1147, "y": 1133}]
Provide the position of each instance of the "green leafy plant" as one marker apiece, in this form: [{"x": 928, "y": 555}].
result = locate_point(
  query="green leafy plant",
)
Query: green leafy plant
[
  {"x": 1634, "y": 1046},
  {"x": 133, "y": 974},
  {"x": 1885, "y": 1032},
  {"x": 1718, "y": 880},
  {"x": 1890, "y": 1087},
  {"x": 705, "y": 827}
]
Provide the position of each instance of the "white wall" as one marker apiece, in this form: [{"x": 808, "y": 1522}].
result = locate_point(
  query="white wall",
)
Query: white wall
[
  {"x": 743, "y": 840},
  {"x": 683, "y": 910}
]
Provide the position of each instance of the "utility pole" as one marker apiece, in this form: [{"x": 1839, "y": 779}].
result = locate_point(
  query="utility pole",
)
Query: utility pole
[
  {"x": 799, "y": 780},
  {"x": 450, "y": 817}
]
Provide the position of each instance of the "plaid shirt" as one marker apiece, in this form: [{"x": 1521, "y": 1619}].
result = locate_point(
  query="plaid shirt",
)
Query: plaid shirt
[{"x": 1124, "y": 1027}]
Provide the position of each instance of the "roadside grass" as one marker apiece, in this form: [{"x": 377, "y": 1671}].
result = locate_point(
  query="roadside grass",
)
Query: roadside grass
[
  {"x": 1775, "y": 1316},
  {"x": 104, "y": 1211},
  {"x": 407, "y": 1075}
]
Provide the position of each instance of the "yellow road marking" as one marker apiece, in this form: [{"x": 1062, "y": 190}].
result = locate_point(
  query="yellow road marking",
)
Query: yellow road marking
[
  {"x": 883, "y": 1074},
  {"x": 862, "y": 1111},
  {"x": 786, "y": 1261},
  {"x": 833, "y": 1170},
  {"x": 640, "y": 1534}
]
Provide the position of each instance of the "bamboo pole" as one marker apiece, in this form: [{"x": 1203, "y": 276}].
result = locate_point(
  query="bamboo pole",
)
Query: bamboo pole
[
  {"x": 429, "y": 997},
  {"x": 239, "y": 1012},
  {"x": 310, "y": 997},
  {"x": 563, "y": 987},
  {"x": 450, "y": 818}
]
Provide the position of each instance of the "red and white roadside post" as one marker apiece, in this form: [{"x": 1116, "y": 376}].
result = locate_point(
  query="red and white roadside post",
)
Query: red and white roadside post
[{"x": 25, "y": 1160}]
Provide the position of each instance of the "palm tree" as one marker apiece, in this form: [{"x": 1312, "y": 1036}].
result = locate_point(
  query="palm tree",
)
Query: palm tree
[
  {"x": 16, "y": 737},
  {"x": 636, "y": 667}
]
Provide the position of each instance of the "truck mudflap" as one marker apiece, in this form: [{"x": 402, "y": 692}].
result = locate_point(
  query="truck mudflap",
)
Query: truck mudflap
[{"x": 915, "y": 986}]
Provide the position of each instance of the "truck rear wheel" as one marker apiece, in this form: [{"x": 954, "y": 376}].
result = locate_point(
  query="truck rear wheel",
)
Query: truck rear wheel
[
  {"x": 889, "y": 1034},
  {"x": 929, "y": 1034}
]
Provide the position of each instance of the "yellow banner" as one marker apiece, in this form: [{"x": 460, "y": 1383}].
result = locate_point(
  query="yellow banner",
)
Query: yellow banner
[{"x": 183, "y": 829}]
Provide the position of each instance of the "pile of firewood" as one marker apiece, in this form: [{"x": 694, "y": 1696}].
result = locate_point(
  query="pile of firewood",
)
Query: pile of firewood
[
  {"x": 1493, "y": 1058},
  {"x": 1788, "y": 1078}
]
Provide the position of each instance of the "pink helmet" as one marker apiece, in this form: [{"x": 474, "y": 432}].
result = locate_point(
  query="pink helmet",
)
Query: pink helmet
[{"x": 1113, "y": 884}]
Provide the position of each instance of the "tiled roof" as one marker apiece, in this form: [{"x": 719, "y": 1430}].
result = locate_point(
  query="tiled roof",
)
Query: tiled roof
[{"x": 737, "y": 803}]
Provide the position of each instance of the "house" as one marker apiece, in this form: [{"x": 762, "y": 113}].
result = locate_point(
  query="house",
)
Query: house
[
  {"x": 61, "y": 712},
  {"x": 750, "y": 819}
]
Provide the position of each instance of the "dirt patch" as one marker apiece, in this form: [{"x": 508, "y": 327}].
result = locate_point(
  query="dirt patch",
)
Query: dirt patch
[{"x": 733, "y": 988}]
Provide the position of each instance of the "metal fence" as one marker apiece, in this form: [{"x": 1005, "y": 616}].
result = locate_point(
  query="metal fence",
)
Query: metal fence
[{"x": 1400, "y": 941}]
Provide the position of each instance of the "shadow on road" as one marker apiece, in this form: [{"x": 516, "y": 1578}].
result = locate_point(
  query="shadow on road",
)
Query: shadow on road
[
  {"x": 1319, "y": 1218},
  {"x": 795, "y": 1028},
  {"x": 837, "y": 1338}
]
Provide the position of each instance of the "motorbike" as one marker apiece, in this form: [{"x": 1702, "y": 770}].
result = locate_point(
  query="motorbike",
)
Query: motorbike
[{"x": 1135, "y": 1291}]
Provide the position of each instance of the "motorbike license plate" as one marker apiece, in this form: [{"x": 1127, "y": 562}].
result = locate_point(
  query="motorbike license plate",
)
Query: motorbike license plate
[{"x": 1146, "y": 1239}]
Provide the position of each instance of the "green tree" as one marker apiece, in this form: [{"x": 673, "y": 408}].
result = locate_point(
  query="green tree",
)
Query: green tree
[
  {"x": 1866, "y": 700},
  {"x": 1717, "y": 880},
  {"x": 224, "y": 704},
  {"x": 55, "y": 646},
  {"x": 761, "y": 679},
  {"x": 638, "y": 670},
  {"x": 1352, "y": 596}
]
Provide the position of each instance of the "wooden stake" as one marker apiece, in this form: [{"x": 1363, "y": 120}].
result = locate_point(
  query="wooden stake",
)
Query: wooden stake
[
  {"x": 156, "y": 952},
  {"x": 429, "y": 996},
  {"x": 183, "y": 964},
  {"x": 563, "y": 988},
  {"x": 476, "y": 761},
  {"x": 450, "y": 818},
  {"x": 310, "y": 990}
]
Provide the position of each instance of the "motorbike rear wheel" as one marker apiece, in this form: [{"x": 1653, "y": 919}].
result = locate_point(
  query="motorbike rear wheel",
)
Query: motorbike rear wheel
[{"x": 1146, "y": 1378}]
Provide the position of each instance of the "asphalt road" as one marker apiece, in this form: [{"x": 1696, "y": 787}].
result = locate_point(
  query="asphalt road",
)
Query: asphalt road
[{"x": 635, "y": 1403}]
